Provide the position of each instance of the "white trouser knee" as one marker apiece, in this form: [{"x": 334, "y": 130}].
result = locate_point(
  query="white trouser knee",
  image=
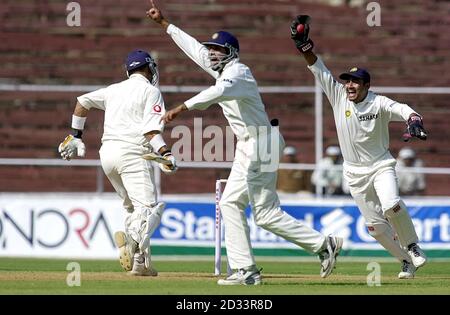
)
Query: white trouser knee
[
  {"x": 384, "y": 234},
  {"x": 401, "y": 221},
  {"x": 142, "y": 223}
]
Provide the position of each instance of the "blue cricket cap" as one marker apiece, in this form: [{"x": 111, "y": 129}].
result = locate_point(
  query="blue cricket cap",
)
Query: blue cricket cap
[
  {"x": 223, "y": 39},
  {"x": 137, "y": 58},
  {"x": 356, "y": 72}
]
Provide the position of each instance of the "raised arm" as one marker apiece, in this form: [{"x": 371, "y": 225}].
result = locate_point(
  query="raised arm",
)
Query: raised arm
[
  {"x": 300, "y": 36},
  {"x": 189, "y": 45},
  {"x": 155, "y": 14}
]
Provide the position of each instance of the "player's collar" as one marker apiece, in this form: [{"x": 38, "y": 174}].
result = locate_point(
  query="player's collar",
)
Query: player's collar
[
  {"x": 369, "y": 97},
  {"x": 230, "y": 63},
  {"x": 139, "y": 77}
]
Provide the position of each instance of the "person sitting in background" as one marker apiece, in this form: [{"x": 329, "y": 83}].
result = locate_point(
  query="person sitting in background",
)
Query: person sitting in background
[
  {"x": 410, "y": 183},
  {"x": 328, "y": 178},
  {"x": 290, "y": 180}
]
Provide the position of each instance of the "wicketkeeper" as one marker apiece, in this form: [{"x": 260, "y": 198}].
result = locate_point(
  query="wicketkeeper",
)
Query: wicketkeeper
[
  {"x": 132, "y": 126},
  {"x": 362, "y": 118}
]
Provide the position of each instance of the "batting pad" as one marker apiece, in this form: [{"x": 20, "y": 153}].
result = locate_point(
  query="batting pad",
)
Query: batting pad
[
  {"x": 150, "y": 225},
  {"x": 142, "y": 223},
  {"x": 401, "y": 221},
  {"x": 384, "y": 234}
]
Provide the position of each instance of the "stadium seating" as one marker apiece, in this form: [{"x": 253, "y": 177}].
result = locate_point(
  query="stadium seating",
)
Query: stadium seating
[{"x": 37, "y": 47}]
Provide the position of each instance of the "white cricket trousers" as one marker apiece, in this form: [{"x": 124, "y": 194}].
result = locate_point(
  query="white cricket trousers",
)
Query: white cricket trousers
[
  {"x": 132, "y": 178},
  {"x": 386, "y": 215},
  {"x": 250, "y": 182},
  {"x": 374, "y": 193}
]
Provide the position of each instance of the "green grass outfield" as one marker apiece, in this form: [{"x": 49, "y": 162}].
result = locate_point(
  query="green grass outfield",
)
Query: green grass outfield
[{"x": 44, "y": 276}]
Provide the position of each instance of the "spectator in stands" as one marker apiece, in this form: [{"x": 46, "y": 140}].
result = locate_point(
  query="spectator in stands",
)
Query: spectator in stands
[
  {"x": 291, "y": 180},
  {"x": 132, "y": 126},
  {"x": 362, "y": 122},
  {"x": 409, "y": 182},
  {"x": 331, "y": 180}
]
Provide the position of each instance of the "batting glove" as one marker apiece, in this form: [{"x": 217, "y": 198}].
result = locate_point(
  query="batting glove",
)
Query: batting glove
[
  {"x": 169, "y": 169},
  {"x": 301, "y": 38},
  {"x": 70, "y": 147},
  {"x": 414, "y": 129}
]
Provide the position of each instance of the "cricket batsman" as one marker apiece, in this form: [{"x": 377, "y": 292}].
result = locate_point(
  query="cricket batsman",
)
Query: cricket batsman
[
  {"x": 362, "y": 118},
  {"x": 236, "y": 91},
  {"x": 132, "y": 126}
]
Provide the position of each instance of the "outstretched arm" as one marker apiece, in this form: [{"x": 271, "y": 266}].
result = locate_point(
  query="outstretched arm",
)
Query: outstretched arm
[
  {"x": 300, "y": 35},
  {"x": 310, "y": 57},
  {"x": 189, "y": 45},
  {"x": 173, "y": 113},
  {"x": 155, "y": 14}
]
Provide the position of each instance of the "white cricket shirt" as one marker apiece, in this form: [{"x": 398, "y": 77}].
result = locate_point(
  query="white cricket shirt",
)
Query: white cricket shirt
[
  {"x": 362, "y": 128},
  {"x": 236, "y": 91},
  {"x": 132, "y": 108}
]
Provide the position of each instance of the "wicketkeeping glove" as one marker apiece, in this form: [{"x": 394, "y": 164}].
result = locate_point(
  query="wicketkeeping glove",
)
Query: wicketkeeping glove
[
  {"x": 70, "y": 147},
  {"x": 414, "y": 129},
  {"x": 168, "y": 169},
  {"x": 301, "y": 39}
]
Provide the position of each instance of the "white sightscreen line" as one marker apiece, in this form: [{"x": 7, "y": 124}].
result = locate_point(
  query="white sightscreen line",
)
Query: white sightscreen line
[
  {"x": 290, "y": 166},
  {"x": 195, "y": 88}
]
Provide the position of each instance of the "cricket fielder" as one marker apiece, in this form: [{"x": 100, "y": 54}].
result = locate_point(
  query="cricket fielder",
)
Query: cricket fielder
[
  {"x": 132, "y": 126},
  {"x": 362, "y": 118},
  {"x": 237, "y": 93}
]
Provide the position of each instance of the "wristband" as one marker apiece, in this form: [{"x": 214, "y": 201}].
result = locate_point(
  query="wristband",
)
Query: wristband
[
  {"x": 157, "y": 142},
  {"x": 77, "y": 133},
  {"x": 78, "y": 122},
  {"x": 166, "y": 153}
]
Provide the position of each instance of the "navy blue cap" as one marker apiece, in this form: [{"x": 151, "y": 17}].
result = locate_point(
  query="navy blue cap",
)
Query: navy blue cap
[
  {"x": 138, "y": 58},
  {"x": 355, "y": 72},
  {"x": 223, "y": 39}
]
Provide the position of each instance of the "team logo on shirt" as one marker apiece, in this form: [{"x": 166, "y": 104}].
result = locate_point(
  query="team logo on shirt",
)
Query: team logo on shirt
[
  {"x": 348, "y": 113},
  {"x": 368, "y": 117},
  {"x": 157, "y": 109}
]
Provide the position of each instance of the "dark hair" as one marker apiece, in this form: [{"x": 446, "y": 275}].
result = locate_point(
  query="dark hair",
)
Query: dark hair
[{"x": 139, "y": 69}]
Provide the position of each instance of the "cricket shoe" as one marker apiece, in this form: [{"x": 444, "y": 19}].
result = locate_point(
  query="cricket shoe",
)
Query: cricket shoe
[
  {"x": 328, "y": 256},
  {"x": 417, "y": 255},
  {"x": 408, "y": 270},
  {"x": 142, "y": 266},
  {"x": 127, "y": 247},
  {"x": 251, "y": 276}
]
